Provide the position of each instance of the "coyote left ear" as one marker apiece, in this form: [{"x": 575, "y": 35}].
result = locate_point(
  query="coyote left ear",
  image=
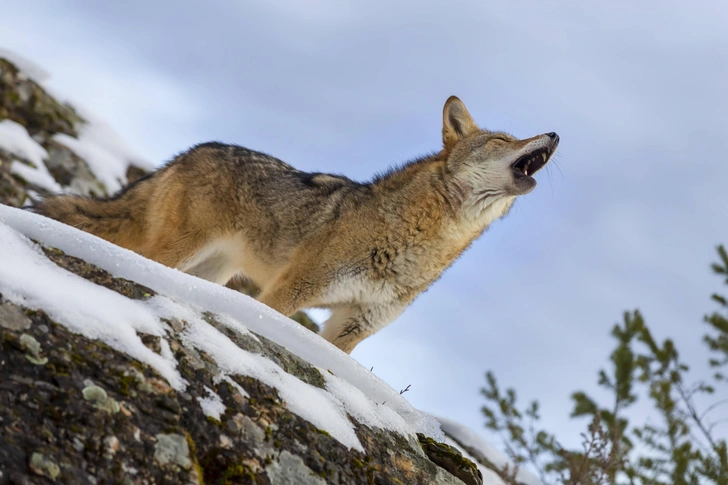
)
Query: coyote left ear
[{"x": 456, "y": 121}]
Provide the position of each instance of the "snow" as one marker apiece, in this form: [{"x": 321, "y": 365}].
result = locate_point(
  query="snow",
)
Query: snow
[
  {"x": 317, "y": 406},
  {"x": 28, "y": 278},
  {"x": 212, "y": 405},
  {"x": 237, "y": 386},
  {"x": 326, "y": 409},
  {"x": 104, "y": 151},
  {"x": 15, "y": 139},
  {"x": 229, "y": 321},
  {"x": 469, "y": 438},
  {"x": 35, "y": 176},
  {"x": 33, "y": 197}
]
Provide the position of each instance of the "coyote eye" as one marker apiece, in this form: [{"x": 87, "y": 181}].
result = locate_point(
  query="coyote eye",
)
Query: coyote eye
[{"x": 499, "y": 138}]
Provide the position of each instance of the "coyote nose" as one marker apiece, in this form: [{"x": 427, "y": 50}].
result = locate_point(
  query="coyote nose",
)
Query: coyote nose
[{"x": 552, "y": 135}]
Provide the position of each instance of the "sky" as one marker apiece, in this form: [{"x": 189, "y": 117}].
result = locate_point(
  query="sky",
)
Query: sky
[{"x": 627, "y": 216}]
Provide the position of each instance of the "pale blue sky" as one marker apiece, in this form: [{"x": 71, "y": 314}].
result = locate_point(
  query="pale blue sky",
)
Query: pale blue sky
[{"x": 629, "y": 218}]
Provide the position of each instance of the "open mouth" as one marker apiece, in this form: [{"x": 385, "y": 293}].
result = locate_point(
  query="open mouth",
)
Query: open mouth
[{"x": 532, "y": 162}]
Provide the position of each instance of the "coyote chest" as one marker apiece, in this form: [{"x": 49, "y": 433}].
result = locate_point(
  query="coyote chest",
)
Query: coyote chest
[{"x": 407, "y": 262}]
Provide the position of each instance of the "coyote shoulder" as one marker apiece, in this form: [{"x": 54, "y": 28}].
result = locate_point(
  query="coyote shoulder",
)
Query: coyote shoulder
[{"x": 363, "y": 250}]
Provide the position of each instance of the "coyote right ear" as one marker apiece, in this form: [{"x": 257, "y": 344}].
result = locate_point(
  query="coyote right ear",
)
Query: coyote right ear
[{"x": 456, "y": 121}]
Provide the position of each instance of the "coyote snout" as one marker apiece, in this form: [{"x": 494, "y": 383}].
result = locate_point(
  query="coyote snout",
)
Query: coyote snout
[
  {"x": 536, "y": 155},
  {"x": 363, "y": 250}
]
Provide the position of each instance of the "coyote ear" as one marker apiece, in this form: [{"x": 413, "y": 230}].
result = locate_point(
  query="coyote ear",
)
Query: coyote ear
[{"x": 456, "y": 121}]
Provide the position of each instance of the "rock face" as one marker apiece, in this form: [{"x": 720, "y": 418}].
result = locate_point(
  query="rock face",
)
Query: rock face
[{"x": 74, "y": 410}]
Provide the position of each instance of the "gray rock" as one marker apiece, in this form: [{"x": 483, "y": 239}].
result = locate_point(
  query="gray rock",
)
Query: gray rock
[
  {"x": 172, "y": 449},
  {"x": 71, "y": 171},
  {"x": 13, "y": 318},
  {"x": 290, "y": 469}
]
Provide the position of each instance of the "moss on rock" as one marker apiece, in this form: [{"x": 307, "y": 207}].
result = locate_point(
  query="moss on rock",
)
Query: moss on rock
[
  {"x": 25, "y": 102},
  {"x": 452, "y": 460}
]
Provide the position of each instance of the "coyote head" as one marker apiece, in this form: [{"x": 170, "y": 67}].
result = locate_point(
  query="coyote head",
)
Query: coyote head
[{"x": 485, "y": 166}]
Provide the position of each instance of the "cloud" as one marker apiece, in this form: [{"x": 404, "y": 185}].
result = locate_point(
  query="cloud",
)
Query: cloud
[{"x": 630, "y": 219}]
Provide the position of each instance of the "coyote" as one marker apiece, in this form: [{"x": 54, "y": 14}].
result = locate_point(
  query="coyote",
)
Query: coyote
[{"x": 315, "y": 240}]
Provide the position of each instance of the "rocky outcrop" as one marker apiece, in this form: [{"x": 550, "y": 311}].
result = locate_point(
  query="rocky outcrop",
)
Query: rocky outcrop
[
  {"x": 24, "y": 101},
  {"x": 73, "y": 410}
]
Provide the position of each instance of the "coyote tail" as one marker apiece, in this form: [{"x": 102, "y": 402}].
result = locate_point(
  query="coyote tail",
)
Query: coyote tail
[{"x": 120, "y": 219}]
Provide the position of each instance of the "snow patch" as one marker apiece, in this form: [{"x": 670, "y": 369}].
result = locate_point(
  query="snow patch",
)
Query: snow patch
[
  {"x": 325, "y": 408},
  {"x": 15, "y": 139},
  {"x": 212, "y": 405},
  {"x": 317, "y": 406},
  {"x": 29, "y": 278},
  {"x": 37, "y": 177},
  {"x": 230, "y": 322},
  {"x": 33, "y": 197},
  {"x": 237, "y": 386}
]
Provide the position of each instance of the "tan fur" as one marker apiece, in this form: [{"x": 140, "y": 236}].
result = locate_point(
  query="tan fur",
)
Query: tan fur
[{"x": 365, "y": 251}]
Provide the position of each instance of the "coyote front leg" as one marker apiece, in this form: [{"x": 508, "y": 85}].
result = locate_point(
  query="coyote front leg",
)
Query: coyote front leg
[
  {"x": 348, "y": 325},
  {"x": 290, "y": 293}
]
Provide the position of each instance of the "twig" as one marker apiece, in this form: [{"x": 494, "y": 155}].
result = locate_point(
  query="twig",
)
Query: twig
[{"x": 713, "y": 406}]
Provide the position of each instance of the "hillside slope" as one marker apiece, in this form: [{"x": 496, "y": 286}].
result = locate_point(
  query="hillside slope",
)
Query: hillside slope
[{"x": 115, "y": 369}]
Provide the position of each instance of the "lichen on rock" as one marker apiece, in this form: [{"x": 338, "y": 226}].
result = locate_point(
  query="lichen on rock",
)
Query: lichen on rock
[{"x": 172, "y": 449}]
